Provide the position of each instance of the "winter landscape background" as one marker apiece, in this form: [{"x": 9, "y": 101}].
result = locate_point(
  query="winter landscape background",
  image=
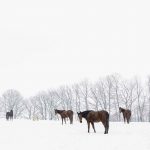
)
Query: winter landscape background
[{"x": 107, "y": 93}]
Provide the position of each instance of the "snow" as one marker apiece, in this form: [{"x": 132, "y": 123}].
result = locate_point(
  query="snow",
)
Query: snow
[{"x": 51, "y": 135}]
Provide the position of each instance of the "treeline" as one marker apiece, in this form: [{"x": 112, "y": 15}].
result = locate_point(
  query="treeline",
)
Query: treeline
[{"x": 108, "y": 93}]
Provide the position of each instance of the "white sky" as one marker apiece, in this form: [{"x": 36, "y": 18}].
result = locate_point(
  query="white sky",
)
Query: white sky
[{"x": 47, "y": 43}]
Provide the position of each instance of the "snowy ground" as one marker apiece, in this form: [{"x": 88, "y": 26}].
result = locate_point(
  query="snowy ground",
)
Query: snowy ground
[{"x": 51, "y": 135}]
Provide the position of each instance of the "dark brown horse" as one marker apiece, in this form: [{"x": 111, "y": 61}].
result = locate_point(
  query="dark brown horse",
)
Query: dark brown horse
[
  {"x": 126, "y": 114},
  {"x": 9, "y": 115},
  {"x": 65, "y": 114},
  {"x": 95, "y": 116}
]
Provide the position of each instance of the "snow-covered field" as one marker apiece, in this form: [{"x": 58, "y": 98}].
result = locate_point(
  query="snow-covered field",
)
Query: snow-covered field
[{"x": 51, "y": 135}]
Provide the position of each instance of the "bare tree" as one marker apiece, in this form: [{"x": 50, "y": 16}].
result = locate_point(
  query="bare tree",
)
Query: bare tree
[
  {"x": 139, "y": 94},
  {"x": 109, "y": 87},
  {"x": 85, "y": 91},
  {"x": 77, "y": 95},
  {"x": 148, "y": 84},
  {"x": 28, "y": 108},
  {"x": 42, "y": 99},
  {"x": 98, "y": 94},
  {"x": 12, "y": 99},
  {"x": 52, "y": 103},
  {"x": 128, "y": 94},
  {"x": 117, "y": 94}
]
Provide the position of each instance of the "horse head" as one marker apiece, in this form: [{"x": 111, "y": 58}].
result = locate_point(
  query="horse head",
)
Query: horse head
[
  {"x": 55, "y": 111},
  {"x": 80, "y": 116},
  {"x": 120, "y": 109}
]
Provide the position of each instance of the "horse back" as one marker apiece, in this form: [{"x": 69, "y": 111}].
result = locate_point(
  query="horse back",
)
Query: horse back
[
  {"x": 97, "y": 116},
  {"x": 70, "y": 112},
  {"x": 67, "y": 113},
  {"x": 128, "y": 113}
]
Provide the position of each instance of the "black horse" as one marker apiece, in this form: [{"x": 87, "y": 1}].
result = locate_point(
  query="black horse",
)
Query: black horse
[
  {"x": 9, "y": 115},
  {"x": 95, "y": 116}
]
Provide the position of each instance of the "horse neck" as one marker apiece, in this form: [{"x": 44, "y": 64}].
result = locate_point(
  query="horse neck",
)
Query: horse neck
[
  {"x": 122, "y": 110},
  {"x": 84, "y": 114},
  {"x": 59, "y": 111}
]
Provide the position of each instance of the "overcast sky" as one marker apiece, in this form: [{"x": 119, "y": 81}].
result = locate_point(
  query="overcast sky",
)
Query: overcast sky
[{"x": 47, "y": 43}]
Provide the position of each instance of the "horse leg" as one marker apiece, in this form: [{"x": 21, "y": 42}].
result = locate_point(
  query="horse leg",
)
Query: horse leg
[
  {"x": 62, "y": 120},
  {"x": 93, "y": 126},
  {"x": 88, "y": 127},
  {"x": 107, "y": 125},
  {"x": 71, "y": 120},
  {"x": 65, "y": 120},
  {"x": 124, "y": 118},
  {"x": 128, "y": 119},
  {"x": 6, "y": 117},
  {"x": 104, "y": 124}
]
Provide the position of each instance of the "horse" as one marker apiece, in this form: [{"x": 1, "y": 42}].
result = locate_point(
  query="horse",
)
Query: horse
[
  {"x": 95, "y": 116},
  {"x": 65, "y": 114},
  {"x": 126, "y": 114},
  {"x": 9, "y": 115}
]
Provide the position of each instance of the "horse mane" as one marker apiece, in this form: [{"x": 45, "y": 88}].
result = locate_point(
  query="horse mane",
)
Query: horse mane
[
  {"x": 122, "y": 109},
  {"x": 59, "y": 111},
  {"x": 85, "y": 113}
]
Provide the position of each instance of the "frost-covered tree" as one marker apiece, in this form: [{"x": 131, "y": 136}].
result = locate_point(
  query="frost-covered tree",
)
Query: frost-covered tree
[{"x": 12, "y": 99}]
